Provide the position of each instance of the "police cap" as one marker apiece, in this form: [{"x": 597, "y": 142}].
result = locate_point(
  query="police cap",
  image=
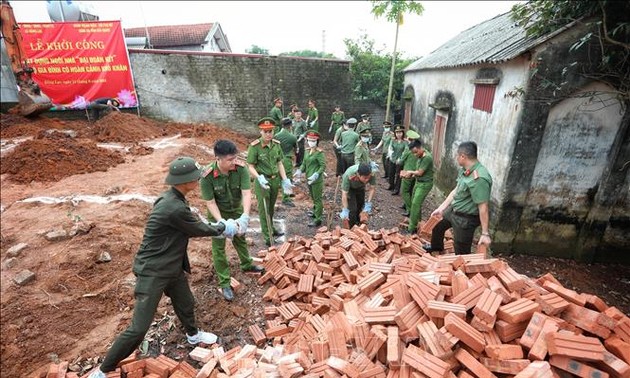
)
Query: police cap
[{"x": 182, "y": 170}]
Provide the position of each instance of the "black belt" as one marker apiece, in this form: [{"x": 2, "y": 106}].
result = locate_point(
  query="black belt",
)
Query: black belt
[
  {"x": 419, "y": 180},
  {"x": 466, "y": 215},
  {"x": 347, "y": 153}
]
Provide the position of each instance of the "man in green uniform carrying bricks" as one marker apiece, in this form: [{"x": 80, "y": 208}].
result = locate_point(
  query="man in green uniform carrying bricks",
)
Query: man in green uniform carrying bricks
[
  {"x": 423, "y": 175},
  {"x": 466, "y": 207},
  {"x": 353, "y": 185},
  {"x": 226, "y": 188},
  {"x": 264, "y": 160},
  {"x": 161, "y": 264}
]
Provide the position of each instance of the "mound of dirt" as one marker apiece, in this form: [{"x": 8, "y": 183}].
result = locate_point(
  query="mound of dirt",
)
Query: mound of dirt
[
  {"x": 12, "y": 125},
  {"x": 52, "y": 159},
  {"x": 124, "y": 127}
]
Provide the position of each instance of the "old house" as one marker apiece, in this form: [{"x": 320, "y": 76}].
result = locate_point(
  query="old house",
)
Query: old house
[
  {"x": 559, "y": 155},
  {"x": 207, "y": 37}
]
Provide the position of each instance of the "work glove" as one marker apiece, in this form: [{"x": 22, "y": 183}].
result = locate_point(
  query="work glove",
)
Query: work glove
[
  {"x": 398, "y": 161},
  {"x": 390, "y": 152},
  {"x": 345, "y": 213},
  {"x": 297, "y": 173},
  {"x": 287, "y": 187},
  {"x": 367, "y": 207},
  {"x": 312, "y": 124},
  {"x": 330, "y": 129},
  {"x": 338, "y": 148},
  {"x": 231, "y": 227},
  {"x": 300, "y": 137},
  {"x": 262, "y": 180},
  {"x": 312, "y": 178},
  {"x": 374, "y": 149},
  {"x": 243, "y": 223},
  {"x": 373, "y": 166}
]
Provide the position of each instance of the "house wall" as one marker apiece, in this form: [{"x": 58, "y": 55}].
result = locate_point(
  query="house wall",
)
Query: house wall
[
  {"x": 236, "y": 90},
  {"x": 493, "y": 132}
]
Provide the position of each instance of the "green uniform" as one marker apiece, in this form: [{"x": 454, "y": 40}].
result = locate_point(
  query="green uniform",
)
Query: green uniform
[
  {"x": 473, "y": 188},
  {"x": 351, "y": 184},
  {"x": 363, "y": 125},
  {"x": 265, "y": 160},
  {"x": 159, "y": 267},
  {"x": 276, "y": 114},
  {"x": 337, "y": 120},
  {"x": 312, "y": 115},
  {"x": 349, "y": 139},
  {"x": 339, "y": 168},
  {"x": 398, "y": 147},
  {"x": 226, "y": 191},
  {"x": 299, "y": 130},
  {"x": 422, "y": 187},
  {"x": 315, "y": 162},
  {"x": 288, "y": 143},
  {"x": 387, "y": 141},
  {"x": 409, "y": 160},
  {"x": 361, "y": 153}
]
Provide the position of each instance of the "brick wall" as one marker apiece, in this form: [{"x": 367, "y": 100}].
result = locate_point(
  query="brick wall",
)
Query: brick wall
[{"x": 235, "y": 90}]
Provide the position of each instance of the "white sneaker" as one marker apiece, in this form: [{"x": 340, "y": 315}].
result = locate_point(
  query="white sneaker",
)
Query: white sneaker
[
  {"x": 200, "y": 337},
  {"x": 97, "y": 374}
]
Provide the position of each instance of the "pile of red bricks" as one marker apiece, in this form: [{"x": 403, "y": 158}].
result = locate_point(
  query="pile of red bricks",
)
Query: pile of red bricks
[{"x": 359, "y": 303}]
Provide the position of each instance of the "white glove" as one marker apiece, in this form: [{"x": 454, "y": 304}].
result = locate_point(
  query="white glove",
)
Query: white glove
[
  {"x": 243, "y": 223},
  {"x": 374, "y": 166},
  {"x": 345, "y": 213},
  {"x": 313, "y": 178},
  {"x": 297, "y": 173},
  {"x": 330, "y": 129},
  {"x": 312, "y": 123},
  {"x": 367, "y": 207},
  {"x": 262, "y": 180},
  {"x": 231, "y": 227},
  {"x": 287, "y": 187}
]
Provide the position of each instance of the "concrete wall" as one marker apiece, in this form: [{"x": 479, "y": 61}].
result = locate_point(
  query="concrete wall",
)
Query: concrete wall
[{"x": 235, "y": 90}]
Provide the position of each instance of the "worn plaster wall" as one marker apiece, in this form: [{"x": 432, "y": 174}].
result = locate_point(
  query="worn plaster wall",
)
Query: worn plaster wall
[
  {"x": 493, "y": 132},
  {"x": 235, "y": 90}
]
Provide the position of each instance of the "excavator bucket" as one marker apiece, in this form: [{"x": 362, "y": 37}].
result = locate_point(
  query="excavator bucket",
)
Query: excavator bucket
[{"x": 31, "y": 105}]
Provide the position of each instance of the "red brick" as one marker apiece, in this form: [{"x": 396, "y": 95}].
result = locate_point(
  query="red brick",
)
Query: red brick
[
  {"x": 518, "y": 311},
  {"x": 576, "y": 367},
  {"x": 464, "y": 332},
  {"x": 472, "y": 364},
  {"x": 504, "y": 351},
  {"x": 425, "y": 363},
  {"x": 618, "y": 347},
  {"x": 575, "y": 346}
]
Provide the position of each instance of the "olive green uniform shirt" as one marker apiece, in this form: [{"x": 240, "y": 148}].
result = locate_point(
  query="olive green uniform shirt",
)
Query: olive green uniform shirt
[
  {"x": 351, "y": 179},
  {"x": 337, "y": 119},
  {"x": 473, "y": 188},
  {"x": 163, "y": 251},
  {"x": 225, "y": 189},
  {"x": 299, "y": 128},
  {"x": 276, "y": 114},
  {"x": 398, "y": 146},
  {"x": 288, "y": 142},
  {"x": 409, "y": 160},
  {"x": 314, "y": 162},
  {"x": 361, "y": 153},
  {"x": 312, "y": 115},
  {"x": 349, "y": 140},
  {"x": 424, "y": 163},
  {"x": 387, "y": 140},
  {"x": 265, "y": 159}
]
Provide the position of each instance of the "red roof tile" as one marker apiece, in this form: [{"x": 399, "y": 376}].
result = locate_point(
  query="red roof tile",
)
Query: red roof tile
[{"x": 173, "y": 35}]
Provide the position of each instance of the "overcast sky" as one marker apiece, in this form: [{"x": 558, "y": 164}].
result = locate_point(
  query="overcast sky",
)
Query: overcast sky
[{"x": 283, "y": 26}]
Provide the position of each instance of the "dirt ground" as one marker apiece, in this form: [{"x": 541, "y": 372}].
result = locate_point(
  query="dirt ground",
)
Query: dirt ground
[{"x": 54, "y": 180}]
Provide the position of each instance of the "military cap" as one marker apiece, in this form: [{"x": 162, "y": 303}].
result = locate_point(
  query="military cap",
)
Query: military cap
[
  {"x": 387, "y": 123},
  {"x": 412, "y": 134},
  {"x": 182, "y": 170},
  {"x": 399, "y": 128},
  {"x": 363, "y": 129},
  {"x": 365, "y": 115},
  {"x": 312, "y": 134},
  {"x": 266, "y": 123},
  {"x": 286, "y": 121},
  {"x": 352, "y": 121},
  {"x": 277, "y": 99}
]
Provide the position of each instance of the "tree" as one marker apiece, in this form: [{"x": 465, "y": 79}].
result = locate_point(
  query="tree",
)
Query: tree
[
  {"x": 394, "y": 11},
  {"x": 255, "y": 49},
  {"x": 606, "y": 43},
  {"x": 369, "y": 70},
  {"x": 309, "y": 54}
]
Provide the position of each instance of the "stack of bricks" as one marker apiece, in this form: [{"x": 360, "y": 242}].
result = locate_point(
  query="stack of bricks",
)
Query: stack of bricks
[{"x": 359, "y": 303}]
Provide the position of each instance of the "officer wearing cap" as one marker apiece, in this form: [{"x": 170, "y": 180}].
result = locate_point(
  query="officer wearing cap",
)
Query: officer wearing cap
[
  {"x": 397, "y": 147},
  {"x": 336, "y": 119},
  {"x": 336, "y": 142},
  {"x": 313, "y": 167},
  {"x": 288, "y": 143},
  {"x": 407, "y": 180},
  {"x": 353, "y": 185},
  {"x": 299, "y": 130},
  {"x": 362, "y": 149},
  {"x": 312, "y": 119},
  {"x": 365, "y": 121},
  {"x": 348, "y": 141},
  {"x": 422, "y": 174},
  {"x": 264, "y": 160},
  {"x": 275, "y": 113},
  {"x": 161, "y": 264},
  {"x": 225, "y": 186},
  {"x": 386, "y": 140}
]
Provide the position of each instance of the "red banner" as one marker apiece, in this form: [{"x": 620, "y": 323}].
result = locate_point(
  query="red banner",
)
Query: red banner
[{"x": 76, "y": 63}]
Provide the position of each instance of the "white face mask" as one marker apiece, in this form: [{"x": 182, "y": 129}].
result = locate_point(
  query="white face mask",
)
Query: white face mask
[
  {"x": 365, "y": 139},
  {"x": 311, "y": 143},
  {"x": 386, "y": 129}
]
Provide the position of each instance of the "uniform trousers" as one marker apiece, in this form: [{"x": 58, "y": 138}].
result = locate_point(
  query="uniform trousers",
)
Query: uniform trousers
[
  {"x": 356, "y": 200},
  {"x": 464, "y": 226},
  {"x": 267, "y": 198}
]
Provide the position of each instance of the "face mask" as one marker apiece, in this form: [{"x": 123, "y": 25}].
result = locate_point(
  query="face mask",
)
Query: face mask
[
  {"x": 386, "y": 129},
  {"x": 311, "y": 143},
  {"x": 365, "y": 139}
]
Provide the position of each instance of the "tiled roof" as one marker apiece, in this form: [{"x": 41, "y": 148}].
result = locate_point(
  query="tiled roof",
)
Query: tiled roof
[
  {"x": 496, "y": 40},
  {"x": 173, "y": 35}
]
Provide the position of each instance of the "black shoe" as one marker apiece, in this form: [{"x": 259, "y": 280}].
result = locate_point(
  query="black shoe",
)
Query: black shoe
[
  {"x": 429, "y": 248},
  {"x": 314, "y": 223},
  {"x": 406, "y": 214},
  {"x": 403, "y": 207},
  {"x": 395, "y": 193},
  {"x": 390, "y": 188},
  {"x": 255, "y": 269},
  {"x": 310, "y": 213},
  {"x": 228, "y": 294},
  {"x": 277, "y": 233},
  {"x": 384, "y": 177}
]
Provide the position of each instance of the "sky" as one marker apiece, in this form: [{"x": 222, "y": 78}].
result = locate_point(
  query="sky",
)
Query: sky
[{"x": 284, "y": 26}]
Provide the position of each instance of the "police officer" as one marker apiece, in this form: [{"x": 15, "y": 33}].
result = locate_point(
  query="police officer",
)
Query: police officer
[
  {"x": 396, "y": 149},
  {"x": 299, "y": 130},
  {"x": 313, "y": 168},
  {"x": 312, "y": 119},
  {"x": 353, "y": 184},
  {"x": 275, "y": 113},
  {"x": 407, "y": 182},
  {"x": 466, "y": 207},
  {"x": 365, "y": 121},
  {"x": 226, "y": 188},
  {"x": 362, "y": 149},
  {"x": 288, "y": 143},
  {"x": 349, "y": 139},
  {"x": 423, "y": 176},
  {"x": 336, "y": 142},
  {"x": 264, "y": 160},
  {"x": 386, "y": 140},
  {"x": 336, "y": 119},
  {"x": 161, "y": 264}
]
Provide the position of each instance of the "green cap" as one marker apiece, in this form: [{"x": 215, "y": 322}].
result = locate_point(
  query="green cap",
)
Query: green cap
[
  {"x": 412, "y": 134},
  {"x": 363, "y": 129},
  {"x": 182, "y": 170}
]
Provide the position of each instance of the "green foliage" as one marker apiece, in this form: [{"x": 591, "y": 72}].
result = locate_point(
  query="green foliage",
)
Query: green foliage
[
  {"x": 602, "y": 53},
  {"x": 255, "y": 49},
  {"x": 309, "y": 54},
  {"x": 370, "y": 71},
  {"x": 393, "y": 10}
]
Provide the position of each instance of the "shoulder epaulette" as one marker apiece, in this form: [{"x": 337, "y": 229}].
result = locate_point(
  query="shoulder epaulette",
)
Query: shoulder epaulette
[
  {"x": 255, "y": 142},
  {"x": 207, "y": 171},
  {"x": 239, "y": 163},
  {"x": 276, "y": 141},
  {"x": 475, "y": 174}
]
